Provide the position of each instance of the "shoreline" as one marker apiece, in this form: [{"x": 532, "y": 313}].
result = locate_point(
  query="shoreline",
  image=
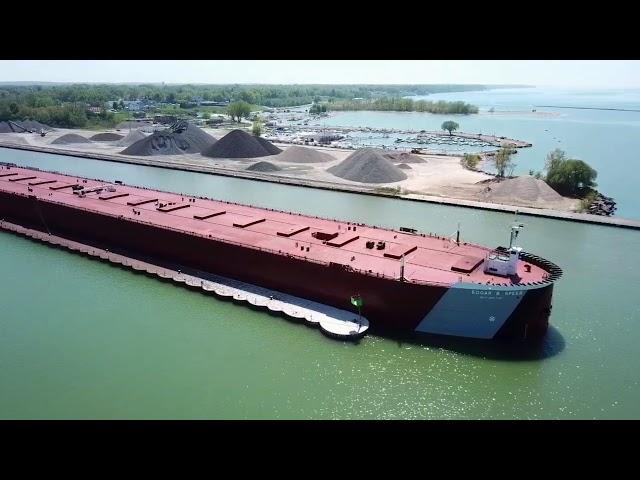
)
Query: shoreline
[{"x": 340, "y": 187}]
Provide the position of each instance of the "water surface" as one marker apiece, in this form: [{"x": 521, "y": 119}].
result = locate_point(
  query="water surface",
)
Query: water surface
[{"x": 81, "y": 339}]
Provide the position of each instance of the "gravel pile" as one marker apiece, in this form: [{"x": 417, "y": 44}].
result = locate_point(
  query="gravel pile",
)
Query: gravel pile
[
  {"x": 70, "y": 138},
  {"x": 297, "y": 154},
  {"x": 132, "y": 137},
  {"x": 404, "y": 166},
  {"x": 239, "y": 144},
  {"x": 35, "y": 125},
  {"x": 196, "y": 137},
  {"x": 129, "y": 125},
  {"x": 368, "y": 165},
  {"x": 106, "y": 137},
  {"x": 6, "y": 127},
  {"x": 264, "y": 167},
  {"x": 524, "y": 189},
  {"x": 404, "y": 157},
  {"x": 160, "y": 143}
]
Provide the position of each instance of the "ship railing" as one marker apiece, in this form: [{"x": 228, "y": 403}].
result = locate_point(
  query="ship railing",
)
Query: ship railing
[{"x": 228, "y": 202}]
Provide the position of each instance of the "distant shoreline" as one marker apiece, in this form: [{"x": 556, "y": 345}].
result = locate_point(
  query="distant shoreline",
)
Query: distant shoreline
[{"x": 590, "y": 108}]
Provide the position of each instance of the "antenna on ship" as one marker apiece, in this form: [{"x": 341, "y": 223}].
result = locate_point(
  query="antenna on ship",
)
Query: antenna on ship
[{"x": 515, "y": 231}]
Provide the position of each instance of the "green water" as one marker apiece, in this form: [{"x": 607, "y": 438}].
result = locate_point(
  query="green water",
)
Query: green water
[{"x": 81, "y": 339}]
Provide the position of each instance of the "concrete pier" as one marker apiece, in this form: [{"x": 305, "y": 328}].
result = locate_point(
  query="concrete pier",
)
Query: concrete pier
[{"x": 337, "y": 187}]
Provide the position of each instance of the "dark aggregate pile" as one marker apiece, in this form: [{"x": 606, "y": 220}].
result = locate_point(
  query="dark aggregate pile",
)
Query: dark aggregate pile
[
  {"x": 404, "y": 157},
  {"x": 404, "y": 166},
  {"x": 295, "y": 154},
  {"x": 239, "y": 144},
  {"x": 160, "y": 143},
  {"x": 131, "y": 124},
  {"x": 368, "y": 165},
  {"x": 70, "y": 138},
  {"x": 132, "y": 137},
  {"x": 264, "y": 167},
  {"x": 106, "y": 137},
  {"x": 196, "y": 137},
  {"x": 33, "y": 125}
]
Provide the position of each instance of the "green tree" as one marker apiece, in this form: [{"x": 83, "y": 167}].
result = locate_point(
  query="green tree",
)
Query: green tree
[
  {"x": 571, "y": 177},
  {"x": 317, "y": 108},
  {"x": 121, "y": 104},
  {"x": 14, "y": 108},
  {"x": 115, "y": 105},
  {"x": 206, "y": 115},
  {"x": 503, "y": 162},
  {"x": 470, "y": 161},
  {"x": 554, "y": 159},
  {"x": 238, "y": 110},
  {"x": 257, "y": 128},
  {"x": 450, "y": 126}
]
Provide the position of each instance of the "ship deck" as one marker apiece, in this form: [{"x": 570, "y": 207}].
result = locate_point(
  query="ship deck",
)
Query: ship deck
[{"x": 428, "y": 258}]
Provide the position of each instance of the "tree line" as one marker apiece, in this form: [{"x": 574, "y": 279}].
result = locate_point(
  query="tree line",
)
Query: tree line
[
  {"x": 266, "y": 95},
  {"x": 397, "y": 104},
  {"x": 66, "y": 105}
]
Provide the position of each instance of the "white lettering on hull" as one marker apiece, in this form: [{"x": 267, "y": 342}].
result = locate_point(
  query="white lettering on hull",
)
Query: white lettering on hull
[{"x": 466, "y": 310}]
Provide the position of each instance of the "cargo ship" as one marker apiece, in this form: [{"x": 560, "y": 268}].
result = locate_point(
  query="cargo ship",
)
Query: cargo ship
[{"x": 402, "y": 281}]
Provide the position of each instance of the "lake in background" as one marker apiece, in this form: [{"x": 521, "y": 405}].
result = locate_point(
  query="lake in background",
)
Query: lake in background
[
  {"x": 81, "y": 339},
  {"x": 608, "y": 140}
]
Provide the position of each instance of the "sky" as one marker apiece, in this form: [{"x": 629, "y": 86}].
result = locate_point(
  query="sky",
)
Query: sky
[{"x": 556, "y": 73}]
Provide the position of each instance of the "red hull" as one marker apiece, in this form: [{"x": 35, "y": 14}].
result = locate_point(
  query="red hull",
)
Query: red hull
[{"x": 389, "y": 303}]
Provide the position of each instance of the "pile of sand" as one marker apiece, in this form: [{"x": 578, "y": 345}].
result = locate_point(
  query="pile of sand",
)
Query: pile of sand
[
  {"x": 70, "y": 138},
  {"x": 160, "y": 143},
  {"x": 131, "y": 138},
  {"x": 404, "y": 157},
  {"x": 264, "y": 167},
  {"x": 106, "y": 137},
  {"x": 368, "y": 165},
  {"x": 404, "y": 166},
  {"x": 14, "y": 139},
  {"x": 303, "y": 155},
  {"x": 6, "y": 127},
  {"x": 239, "y": 144},
  {"x": 525, "y": 189}
]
